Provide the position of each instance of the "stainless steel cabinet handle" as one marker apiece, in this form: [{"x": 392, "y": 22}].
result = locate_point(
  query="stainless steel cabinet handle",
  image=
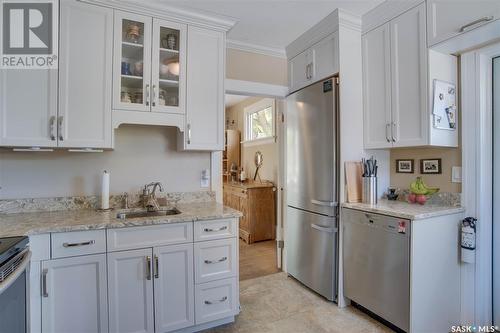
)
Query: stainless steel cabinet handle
[
  {"x": 212, "y": 230},
  {"x": 147, "y": 93},
  {"x": 148, "y": 267},
  {"x": 311, "y": 70},
  {"x": 59, "y": 127},
  {"x": 387, "y": 129},
  {"x": 90, "y": 242},
  {"x": 189, "y": 134},
  {"x": 157, "y": 271},
  {"x": 215, "y": 261},
  {"x": 394, "y": 138},
  {"x": 483, "y": 19},
  {"x": 52, "y": 123},
  {"x": 223, "y": 299},
  {"x": 324, "y": 203},
  {"x": 324, "y": 229},
  {"x": 307, "y": 71},
  {"x": 153, "y": 101},
  {"x": 44, "y": 283}
]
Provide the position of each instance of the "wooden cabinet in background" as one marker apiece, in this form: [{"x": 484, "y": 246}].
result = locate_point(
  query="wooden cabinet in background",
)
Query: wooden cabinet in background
[{"x": 257, "y": 203}]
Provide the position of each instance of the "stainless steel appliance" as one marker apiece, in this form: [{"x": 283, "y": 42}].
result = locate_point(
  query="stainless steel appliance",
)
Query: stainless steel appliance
[
  {"x": 376, "y": 251},
  {"x": 14, "y": 277},
  {"x": 312, "y": 186}
]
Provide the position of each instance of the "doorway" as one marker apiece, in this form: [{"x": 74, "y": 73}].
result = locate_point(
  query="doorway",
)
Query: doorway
[
  {"x": 496, "y": 191},
  {"x": 251, "y": 179}
]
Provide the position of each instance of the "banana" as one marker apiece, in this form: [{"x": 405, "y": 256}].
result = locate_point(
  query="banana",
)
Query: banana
[{"x": 419, "y": 187}]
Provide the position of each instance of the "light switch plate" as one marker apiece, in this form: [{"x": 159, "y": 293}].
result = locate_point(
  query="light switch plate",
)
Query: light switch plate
[
  {"x": 456, "y": 174},
  {"x": 205, "y": 178}
]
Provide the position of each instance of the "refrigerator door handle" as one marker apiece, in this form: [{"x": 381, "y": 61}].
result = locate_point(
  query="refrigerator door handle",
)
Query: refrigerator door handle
[
  {"x": 323, "y": 229},
  {"x": 324, "y": 203}
]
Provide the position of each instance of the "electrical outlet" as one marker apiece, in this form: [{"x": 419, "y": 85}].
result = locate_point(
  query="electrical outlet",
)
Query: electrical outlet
[
  {"x": 456, "y": 174},
  {"x": 205, "y": 178}
]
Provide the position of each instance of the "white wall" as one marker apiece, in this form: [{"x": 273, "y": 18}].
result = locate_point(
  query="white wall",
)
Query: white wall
[{"x": 142, "y": 154}]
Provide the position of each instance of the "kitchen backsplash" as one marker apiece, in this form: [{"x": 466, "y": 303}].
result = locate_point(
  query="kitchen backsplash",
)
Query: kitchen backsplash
[
  {"x": 12, "y": 206},
  {"x": 449, "y": 157}
]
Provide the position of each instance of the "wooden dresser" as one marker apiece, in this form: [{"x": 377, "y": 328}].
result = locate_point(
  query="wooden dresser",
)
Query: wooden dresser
[{"x": 257, "y": 202}]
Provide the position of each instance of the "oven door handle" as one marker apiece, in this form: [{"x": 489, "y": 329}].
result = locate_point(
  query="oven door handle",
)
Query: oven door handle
[{"x": 19, "y": 270}]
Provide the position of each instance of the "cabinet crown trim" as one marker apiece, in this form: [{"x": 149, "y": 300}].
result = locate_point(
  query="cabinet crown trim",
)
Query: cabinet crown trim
[{"x": 169, "y": 12}]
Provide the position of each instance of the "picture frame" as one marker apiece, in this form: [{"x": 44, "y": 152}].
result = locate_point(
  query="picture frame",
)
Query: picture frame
[
  {"x": 430, "y": 166},
  {"x": 405, "y": 166}
]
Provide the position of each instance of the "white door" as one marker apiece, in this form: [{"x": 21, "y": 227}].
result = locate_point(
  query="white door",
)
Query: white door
[
  {"x": 168, "y": 67},
  {"x": 205, "y": 85},
  {"x": 446, "y": 18},
  {"x": 326, "y": 57},
  {"x": 132, "y": 62},
  {"x": 85, "y": 74},
  {"x": 74, "y": 297},
  {"x": 130, "y": 290},
  {"x": 409, "y": 78},
  {"x": 28, "y": 107},
  {"x": 174, "y": 287},
  {"x": 496, "y": 191},
  {"x": 377, "y": 88},
  {"x": 299, "y": 70}
]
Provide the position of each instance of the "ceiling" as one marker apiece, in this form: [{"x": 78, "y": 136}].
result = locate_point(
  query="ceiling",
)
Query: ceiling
[
  {"x": 234, "y": 99},
  {"x": 271, "y": 24}
]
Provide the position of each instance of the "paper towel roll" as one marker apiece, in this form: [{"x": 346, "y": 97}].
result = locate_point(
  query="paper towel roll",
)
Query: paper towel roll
[{"x": 105, "y": 190}]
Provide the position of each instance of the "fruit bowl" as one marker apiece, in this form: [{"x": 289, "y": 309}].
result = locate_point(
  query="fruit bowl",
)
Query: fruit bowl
[{"x": 419, "y": 191}]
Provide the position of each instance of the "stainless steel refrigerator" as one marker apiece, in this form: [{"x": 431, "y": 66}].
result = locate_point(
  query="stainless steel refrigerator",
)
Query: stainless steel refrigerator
[{"x": 312, "y": 186}]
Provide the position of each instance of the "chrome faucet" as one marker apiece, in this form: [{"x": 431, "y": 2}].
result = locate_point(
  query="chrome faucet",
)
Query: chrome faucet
[{"x": 149, "y": 196}]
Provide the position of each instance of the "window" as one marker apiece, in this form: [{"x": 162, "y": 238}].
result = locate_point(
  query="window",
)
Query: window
[{"x": 259, "y": 121}]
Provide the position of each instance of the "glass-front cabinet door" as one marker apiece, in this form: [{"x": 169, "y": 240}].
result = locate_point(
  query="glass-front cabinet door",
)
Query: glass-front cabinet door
[
  {"x": 168, "y": 67},
  {"x": 132, "y": 62}
]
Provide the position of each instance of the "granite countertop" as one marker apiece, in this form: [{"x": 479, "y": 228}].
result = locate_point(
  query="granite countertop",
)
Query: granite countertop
[
  {"x": 405, "y": 210},
  {"x": 87, "y": 219},
  {"x": 249, "y": 184}
]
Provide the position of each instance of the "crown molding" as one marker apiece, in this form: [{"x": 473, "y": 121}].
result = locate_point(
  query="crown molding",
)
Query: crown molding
[
  {"x": 249, "y": 47},
  {"x": 349, "y": 20},
  {"x": 169, "y": 12}
]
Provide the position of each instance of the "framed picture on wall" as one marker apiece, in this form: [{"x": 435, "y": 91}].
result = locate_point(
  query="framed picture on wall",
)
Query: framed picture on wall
[
  {"x": 404, "y": 166},
  {"x": 430, "y": 166}
]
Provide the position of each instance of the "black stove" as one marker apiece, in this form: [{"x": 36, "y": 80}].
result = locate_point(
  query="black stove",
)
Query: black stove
[{"x": 11, "y": 246}]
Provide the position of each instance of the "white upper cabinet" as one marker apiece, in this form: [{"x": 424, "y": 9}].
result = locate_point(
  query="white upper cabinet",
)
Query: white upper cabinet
[
  {"x": 398, "y": 83},
  {"x": 85, "y": 72},
  {"x": 447, "y": 19},
  {"x": 168, "y": 67},
  {"x": 149, "y": 64},
  {"x": 319, "y": 61},
  {"x": 204, "y": 129},
  {"x": 377, "y": 88},
  {"x": 409, "y": 78},
  {"x": 74, "y": 295},
  {"x": 132, "y": 62},
  {"x": 299, "y": 70},
  {"x": 326, "y": 57},
  {"x": 28, "y": 107},
  {"x": 174, "y": 287}
]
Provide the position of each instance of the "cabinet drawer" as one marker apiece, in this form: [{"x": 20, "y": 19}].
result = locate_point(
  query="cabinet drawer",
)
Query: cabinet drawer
[
  {"x": 216, "y": 300},
  {"x": 149, "y": 236},
  {"x": 77, "y": 243},
  {"x": 215, "y": 229},
  {"x": 215, "y": 260}
]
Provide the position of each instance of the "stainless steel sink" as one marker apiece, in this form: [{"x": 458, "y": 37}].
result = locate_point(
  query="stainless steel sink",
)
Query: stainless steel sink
[{"x": 144, "y": 213}]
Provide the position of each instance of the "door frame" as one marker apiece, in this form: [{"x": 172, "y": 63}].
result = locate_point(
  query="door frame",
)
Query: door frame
[
  {"x": 250, "y": 88},
  {"x": 477, "y": 164}
]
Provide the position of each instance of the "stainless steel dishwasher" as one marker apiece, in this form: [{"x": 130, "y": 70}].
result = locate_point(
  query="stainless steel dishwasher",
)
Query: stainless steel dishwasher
[{"x": 376, "y": 254}]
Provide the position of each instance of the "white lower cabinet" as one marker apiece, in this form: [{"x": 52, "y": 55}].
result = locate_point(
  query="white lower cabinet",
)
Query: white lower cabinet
[
  {"x": 130, "y": 289},
  {"x": 216, "y": 300},
  {"x": 174, "y": 287},
  {"x": 127, "y": 286},
  {"x": 74, "y": 295}
]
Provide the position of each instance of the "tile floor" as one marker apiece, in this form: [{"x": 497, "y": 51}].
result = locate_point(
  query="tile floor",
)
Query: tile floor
[{"x": 276, "y": 303}]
